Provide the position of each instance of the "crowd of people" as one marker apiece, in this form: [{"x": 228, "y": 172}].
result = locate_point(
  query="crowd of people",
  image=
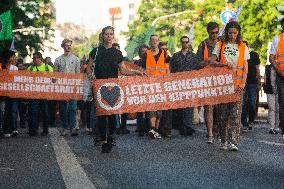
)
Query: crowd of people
[{"x": 223, "y": 121}]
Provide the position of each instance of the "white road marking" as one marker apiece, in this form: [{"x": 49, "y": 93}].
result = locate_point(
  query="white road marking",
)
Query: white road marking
[
  {"x": 271, "y": 143},
  {"x": 73, "y": 174}
]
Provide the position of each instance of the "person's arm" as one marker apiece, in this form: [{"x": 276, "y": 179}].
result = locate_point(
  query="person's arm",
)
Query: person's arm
[{"x": 126, "y": 69}]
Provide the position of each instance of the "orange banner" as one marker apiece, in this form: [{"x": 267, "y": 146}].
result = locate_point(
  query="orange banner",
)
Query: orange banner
[
  {"x": 41, "y": 85},
  {"x": 207, "y": 86}
]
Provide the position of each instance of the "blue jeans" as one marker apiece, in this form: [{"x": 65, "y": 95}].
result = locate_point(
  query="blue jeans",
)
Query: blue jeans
[
  {"x": 280, "y": 88},
  {"x": 248, "y": 107},
  {"x": 68, "y": 113},
  {"x": 37, "y": 108},
  {"x": 10, "y": 115},
  {"x": 90, "y": 111},
  {"x": 187, "y": 114},
  {"x": 2, "y": 108}
]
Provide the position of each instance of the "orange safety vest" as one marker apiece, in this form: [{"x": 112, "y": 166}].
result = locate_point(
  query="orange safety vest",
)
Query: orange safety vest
[
  {"x": 280, "y": 53},
  {"x": 156, "y": 68},
  {"x": 241, "y": 61},
  {"x": 0, "y": 66},
  {"x": 206, "y": 52}
]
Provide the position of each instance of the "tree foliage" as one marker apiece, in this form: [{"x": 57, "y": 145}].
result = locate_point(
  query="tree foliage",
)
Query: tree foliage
[
  {"x": 26, "y": 13},
  {"x": 257, "y": 19}
]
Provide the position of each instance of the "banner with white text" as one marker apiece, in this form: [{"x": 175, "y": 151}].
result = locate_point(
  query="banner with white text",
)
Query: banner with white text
[
  {"x": 207, "y": 86},
  {"x": 41, "y": 85}
]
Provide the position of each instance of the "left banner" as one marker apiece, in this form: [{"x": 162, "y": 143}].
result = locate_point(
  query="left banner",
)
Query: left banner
[{"x": 41, "y": 85}]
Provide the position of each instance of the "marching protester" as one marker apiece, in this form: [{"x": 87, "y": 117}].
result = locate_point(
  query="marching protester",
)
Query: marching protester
[
  {"x": 184, "y": 60},
  {"x": 106, "y": 61},
  {"x": 234, "y": 54},
  {"x": 155, "y": 62},
  {"x": 270, "y": 88},
  {"x": 253, "y": 85},
  {"x": 204, "y": 51},
  {"x": 276, "y": 57},
  {"x": 37, "y": 106},
  {"x": 11, "y": 105},
  {"x": 67, "y": 63}
]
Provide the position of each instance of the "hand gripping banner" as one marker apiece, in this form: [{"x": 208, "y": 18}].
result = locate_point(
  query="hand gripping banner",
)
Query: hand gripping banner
[{"x": 207, "y": 86}]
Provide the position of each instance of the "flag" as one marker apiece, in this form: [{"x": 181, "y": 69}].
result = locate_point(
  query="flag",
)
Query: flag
[
  {"x": 6, "y": 26},
  {"x": 191, "y": 34},
  {"x": 234, "y": 18},
  {"x": 140, "y": 39}
]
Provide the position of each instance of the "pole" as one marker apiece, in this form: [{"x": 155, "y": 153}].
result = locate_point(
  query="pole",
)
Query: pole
[{"x": 172, "y": 15}]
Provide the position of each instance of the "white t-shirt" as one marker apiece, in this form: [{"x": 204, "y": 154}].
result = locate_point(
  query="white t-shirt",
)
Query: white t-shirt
[
  {"x": 13, "y": 68},
  {"x": 274, "y": 45},
  {"x": 231, "y": 53}
]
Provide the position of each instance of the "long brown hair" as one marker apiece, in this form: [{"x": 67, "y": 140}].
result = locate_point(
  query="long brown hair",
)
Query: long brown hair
[{"x": 233, "y": 24}]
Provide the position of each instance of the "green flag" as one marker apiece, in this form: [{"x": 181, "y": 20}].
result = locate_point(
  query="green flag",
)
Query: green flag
[
  {"x": 6, "y": 26},
  {"x": 142, "y": 38}
]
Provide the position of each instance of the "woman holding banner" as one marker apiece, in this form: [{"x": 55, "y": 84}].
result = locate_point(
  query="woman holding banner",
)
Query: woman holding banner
[
  {"x": 233, "y": 53},
  {"x": 105, "y": 62}
]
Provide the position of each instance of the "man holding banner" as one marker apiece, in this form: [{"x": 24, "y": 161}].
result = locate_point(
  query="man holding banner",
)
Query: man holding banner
[
  {"x": 35, "y": 105},
  {"x": 68, "y": 63},
  {"x": 184, "y": 60},
  {"x": 204, "y": 52}
]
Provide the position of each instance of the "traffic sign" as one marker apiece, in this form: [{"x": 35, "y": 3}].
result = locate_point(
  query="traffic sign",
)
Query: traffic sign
[{"x": 226, "y": 16}]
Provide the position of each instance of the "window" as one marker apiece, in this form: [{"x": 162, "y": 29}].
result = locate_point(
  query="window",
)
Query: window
[{"x": 131, "y": 5}]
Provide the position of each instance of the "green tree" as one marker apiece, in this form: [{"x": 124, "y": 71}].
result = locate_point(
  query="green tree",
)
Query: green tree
[
  {"x": 174, "y": 26},
  {"x": 258, "y": 19},
  {"x": 25, "y": 13}
]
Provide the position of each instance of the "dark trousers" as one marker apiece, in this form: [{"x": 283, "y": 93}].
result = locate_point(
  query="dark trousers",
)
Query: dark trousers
[
  {"x": 177, "y": 119},
  {"x": 10, "y": 115},
  {"x": 280, "y": 88},
  {"x": 107, "y": 124},
  {"x": 52, "y": 112},
  {"x": 248, "y": 106},
  {"x": 23, "y": 111},
  {"x": 166, "y": 122},
  {"x": 37, "y": 109}
]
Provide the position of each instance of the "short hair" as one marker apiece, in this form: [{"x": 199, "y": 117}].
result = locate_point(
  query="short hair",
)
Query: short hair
[
  {"x": 153, "y": 36},
  {"x": 211, "y": 26},
  {"x": 65, "y": 41},
  {"x": 38, "y": 54},
  {"x": 6, "y": 55},
  {"x": 183, "y": 37},
  {"x": 245, "y": 42}
]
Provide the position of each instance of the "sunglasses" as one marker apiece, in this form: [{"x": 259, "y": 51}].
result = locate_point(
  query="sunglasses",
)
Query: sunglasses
[
  {"x": 185, "y": 42},
  {"x": 211, "y": 33}
]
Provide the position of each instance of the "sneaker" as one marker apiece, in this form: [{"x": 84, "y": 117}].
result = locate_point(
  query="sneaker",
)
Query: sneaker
[
  {"x": 245, "y": 129},
  {"x": 273, "y": 131},
  {"x": 224, "y": 146},
  {"x": 74, "y": 132},
  {"x": 64, "y": 132},
  {"x": 233, "y": 147},
  {"x": 151, "y": 134},
  {"x": 15, "y": 133},
  {"x": 7, "y": 135},
  {"x": 210, "y": 139},
  {"x": 157, "y": 135},
  {"x": 250, "y": 126}
]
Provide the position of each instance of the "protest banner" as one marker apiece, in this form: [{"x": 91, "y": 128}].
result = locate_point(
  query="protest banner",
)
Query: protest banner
[
  {"x": 207, "y": 86},
  {"x": 41, "y": 85}
]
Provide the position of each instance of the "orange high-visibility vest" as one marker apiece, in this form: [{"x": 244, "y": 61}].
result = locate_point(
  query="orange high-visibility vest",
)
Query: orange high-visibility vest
[
  {"x": 0, "y": 66},
  {"x": 241, "y": 60},
  {"x": 280, "y": 53},
  {"x": 206, "y": 52},
  {"x": 156, "y": 68}
]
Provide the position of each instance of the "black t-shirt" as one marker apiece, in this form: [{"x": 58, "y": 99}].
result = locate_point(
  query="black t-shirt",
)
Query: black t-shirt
[
  {"x": 252, "y": 63},
  {"x": 106, "y": 62},
  {"x": 157, "y": 56}
]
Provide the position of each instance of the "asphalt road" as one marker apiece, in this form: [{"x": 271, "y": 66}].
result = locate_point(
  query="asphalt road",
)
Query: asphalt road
[{"x": 139, "y": 162}]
